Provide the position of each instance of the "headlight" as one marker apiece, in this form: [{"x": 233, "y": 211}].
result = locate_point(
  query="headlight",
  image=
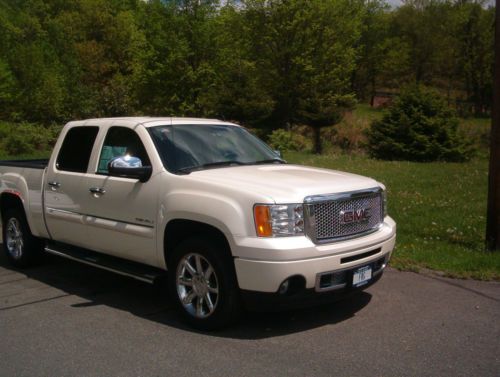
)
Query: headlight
[{"x": 277, "y": 220}]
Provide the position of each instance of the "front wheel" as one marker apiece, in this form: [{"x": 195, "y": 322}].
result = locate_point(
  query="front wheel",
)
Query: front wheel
[
  {"x": 20, "y": 246},
  {"x": 203, "y": 284}
]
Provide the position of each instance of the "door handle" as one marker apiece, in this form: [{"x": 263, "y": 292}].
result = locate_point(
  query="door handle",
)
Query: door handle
[
  {"x": 97, "y": 190},
  {"x": 54, "y": 185}
]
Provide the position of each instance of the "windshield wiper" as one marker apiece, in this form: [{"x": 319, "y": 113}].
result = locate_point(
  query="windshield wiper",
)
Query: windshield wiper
[
  {"x": 271, "y": 161},
  {"x": 189, "y": 169}
]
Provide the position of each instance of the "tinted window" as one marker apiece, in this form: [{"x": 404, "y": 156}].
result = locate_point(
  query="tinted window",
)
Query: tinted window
[
  {"x": 184, "y": 146},
  {"x": 76, "y": 149},
  {"x": 121, "y": 141}
]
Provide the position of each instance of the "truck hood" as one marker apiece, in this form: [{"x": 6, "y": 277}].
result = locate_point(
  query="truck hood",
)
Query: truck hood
[{"x": 284, "y": 183}]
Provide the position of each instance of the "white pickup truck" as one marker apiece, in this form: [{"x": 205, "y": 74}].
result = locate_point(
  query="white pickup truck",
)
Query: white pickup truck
[{"x": 232, "y": 222}]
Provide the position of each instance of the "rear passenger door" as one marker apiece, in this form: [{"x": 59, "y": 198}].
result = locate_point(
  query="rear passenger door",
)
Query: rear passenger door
[
  {"x": 121, "y": 212},
  {"x": 64, "y": 187}
]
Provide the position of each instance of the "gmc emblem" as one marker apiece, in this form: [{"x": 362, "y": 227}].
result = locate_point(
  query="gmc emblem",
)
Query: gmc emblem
[{"x": 355, "y": 216}]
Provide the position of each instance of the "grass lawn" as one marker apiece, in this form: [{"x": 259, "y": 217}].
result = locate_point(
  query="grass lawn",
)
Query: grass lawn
[
  {"x": 440, "y": 209},
  {"x": 365, "y": 111}
]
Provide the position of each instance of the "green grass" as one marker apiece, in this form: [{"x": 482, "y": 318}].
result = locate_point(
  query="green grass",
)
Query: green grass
[
  {"x": 367, "y": 112},
  {"x": 440, "y": 210}
]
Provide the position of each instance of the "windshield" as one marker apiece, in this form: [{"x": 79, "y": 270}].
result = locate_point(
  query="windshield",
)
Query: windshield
[{"x": 188, "y": 147}]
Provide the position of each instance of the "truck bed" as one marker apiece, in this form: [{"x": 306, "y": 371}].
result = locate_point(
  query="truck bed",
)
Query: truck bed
[{"x": 33, "y": 164}]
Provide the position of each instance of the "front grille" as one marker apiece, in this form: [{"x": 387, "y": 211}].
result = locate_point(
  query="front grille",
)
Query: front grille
[{"x": 327, "y": 218}]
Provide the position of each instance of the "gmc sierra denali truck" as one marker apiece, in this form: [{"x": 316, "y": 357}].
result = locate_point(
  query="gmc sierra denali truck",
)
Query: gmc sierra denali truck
[{"x": 231, "y": 221}]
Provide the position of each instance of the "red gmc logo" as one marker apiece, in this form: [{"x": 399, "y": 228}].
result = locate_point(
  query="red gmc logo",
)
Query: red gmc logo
[{"x": 355, "y": 216}]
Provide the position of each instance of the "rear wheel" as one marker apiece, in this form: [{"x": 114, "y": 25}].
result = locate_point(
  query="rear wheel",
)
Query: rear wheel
[
  {"x": 203, "y": 284},
  {"x": 20, "y": 246}
]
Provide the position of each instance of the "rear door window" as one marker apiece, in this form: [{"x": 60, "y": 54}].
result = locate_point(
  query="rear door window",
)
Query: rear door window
[{"x": 76, "y": 149}]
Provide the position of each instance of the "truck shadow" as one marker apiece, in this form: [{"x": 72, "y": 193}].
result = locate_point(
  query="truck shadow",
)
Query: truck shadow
[{"x": 94, "y": 287}]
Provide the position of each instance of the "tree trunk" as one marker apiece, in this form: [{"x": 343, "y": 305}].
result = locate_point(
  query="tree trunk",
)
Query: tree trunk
[
  {"x": 493, "y": 214},
  {"x": 317, "y": 140}
]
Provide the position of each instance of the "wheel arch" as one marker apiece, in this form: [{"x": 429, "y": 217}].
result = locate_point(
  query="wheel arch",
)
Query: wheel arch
[
  {"x": 10, "y": 200},
  {"x": 178, "y": 230}
]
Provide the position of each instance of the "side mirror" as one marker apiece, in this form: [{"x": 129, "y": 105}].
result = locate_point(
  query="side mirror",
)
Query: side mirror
[
  {"x": 129, "y": 167},
  {"x": 278, "y": 152}
]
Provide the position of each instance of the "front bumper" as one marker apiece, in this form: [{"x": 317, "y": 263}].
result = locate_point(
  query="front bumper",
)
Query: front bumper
[
  {"x": 259, "y": 275},
  {"x": 262, "y": 301}
]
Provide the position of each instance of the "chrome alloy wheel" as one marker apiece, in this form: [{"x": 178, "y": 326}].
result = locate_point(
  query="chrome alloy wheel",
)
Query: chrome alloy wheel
[
  {"x": 14, "y": 238},
  {"x": 197, "y": 285}
]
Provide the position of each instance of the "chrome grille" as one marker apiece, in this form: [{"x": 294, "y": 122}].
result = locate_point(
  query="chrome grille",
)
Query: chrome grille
[{"x": 324, "y": 217}]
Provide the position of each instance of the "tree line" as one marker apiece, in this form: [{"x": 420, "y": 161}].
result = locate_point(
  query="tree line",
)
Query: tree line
[{"x": 266, "y": 63}]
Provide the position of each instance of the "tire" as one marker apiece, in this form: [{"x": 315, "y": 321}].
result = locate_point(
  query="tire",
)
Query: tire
[
  {"x": 202, "y": 283},
  {"x": 21, "y": 248}
]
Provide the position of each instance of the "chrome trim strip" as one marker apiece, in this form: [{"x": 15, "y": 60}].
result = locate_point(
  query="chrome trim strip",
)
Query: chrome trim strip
[
  {"x": 119, "y": 272},
  {"x": 62, "y": 211},
  {"x": 315, "y": 199},
  {"x": 60, "y": 214}
]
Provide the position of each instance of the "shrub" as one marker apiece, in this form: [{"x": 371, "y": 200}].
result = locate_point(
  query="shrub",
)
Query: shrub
[
  {"x": 349, "y": 135},
  {"x": 25, "y": 139},
  {"x": 418, "y": 127},
  {"x": 283, "y": 140}
]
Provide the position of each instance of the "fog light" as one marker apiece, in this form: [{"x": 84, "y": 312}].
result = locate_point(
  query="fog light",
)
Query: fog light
[
  {"x": 284, "y": 287},
  {"x": 326, "y": 280}
]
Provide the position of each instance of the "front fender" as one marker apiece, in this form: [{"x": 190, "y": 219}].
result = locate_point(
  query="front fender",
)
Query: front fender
[{"x": 222, "y": 212}]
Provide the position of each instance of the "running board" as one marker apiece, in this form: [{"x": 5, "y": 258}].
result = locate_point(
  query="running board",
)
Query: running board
[{"x": 119, "y": 266}]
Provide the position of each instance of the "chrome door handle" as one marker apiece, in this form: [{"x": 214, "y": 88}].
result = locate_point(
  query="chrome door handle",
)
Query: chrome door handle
[
  {"x": 97, "y": 190},
  {"x": 54, "y": 184}
]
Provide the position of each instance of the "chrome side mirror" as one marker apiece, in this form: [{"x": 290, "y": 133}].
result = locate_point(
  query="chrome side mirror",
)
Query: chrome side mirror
[
  {"x": 129, "y": 167},
  {"x": 125, "y": 162}
]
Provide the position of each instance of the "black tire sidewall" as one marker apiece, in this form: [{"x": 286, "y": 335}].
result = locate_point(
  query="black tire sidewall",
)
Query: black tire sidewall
[{"x": 228, "y": 306}]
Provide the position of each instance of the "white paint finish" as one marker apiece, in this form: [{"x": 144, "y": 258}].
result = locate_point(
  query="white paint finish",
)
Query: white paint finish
[
  {"x": 266, "y": 276},
  {"x": 26, "y": 184},
  {"x": 63, "y": 209},
  {"x": 130, "y": 218},
  {"x": 122, "y": 221},
  {"x": 283, "y": 183}
]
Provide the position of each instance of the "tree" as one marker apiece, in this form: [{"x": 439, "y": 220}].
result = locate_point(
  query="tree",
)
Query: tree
[
  {"x": 7, "y": 89},
  {"x": 475, "y": 53},
  {"x": 493, "y": 213},
  {"x": 418, "y": 127},
  {"x": 373, "y": 49},
  {"x": 238, "y": 91},
  {"x": 306, "y": 52}
]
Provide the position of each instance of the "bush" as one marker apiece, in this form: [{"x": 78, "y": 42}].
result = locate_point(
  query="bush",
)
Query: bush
[
  {"x": 349, "y": 135},
  {"x": 418, "y": 127},
  {"x": 25, "y": 139},
  {"x": 283, "y": 140}
]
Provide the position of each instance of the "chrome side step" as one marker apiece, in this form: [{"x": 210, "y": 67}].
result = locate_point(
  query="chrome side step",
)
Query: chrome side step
[{"x": 119, "y": 266}]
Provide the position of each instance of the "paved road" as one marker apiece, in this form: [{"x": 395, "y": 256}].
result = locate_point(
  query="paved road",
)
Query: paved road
[{"x": 66, "y": 319}]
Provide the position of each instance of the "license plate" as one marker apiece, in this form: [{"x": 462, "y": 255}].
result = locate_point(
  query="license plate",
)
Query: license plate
[{"x": 361, "y": 276}]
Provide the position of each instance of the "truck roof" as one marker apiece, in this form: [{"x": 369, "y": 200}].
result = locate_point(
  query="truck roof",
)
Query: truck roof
[{"x": 146, "y": 121}]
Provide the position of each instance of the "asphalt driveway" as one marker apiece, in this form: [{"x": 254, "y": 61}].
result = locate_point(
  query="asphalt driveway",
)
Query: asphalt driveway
[{"x": 67, "y": 319}]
